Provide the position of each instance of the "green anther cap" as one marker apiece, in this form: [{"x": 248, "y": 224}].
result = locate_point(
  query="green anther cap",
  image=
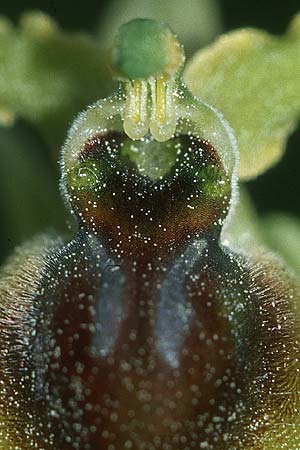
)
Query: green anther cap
[{"x": 145, "y": 48}]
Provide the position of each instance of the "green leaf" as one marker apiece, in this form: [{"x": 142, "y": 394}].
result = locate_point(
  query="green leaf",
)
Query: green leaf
[
  {"x": 251, "y": 235},
  {"x": 282, "y": 234},
  {"x": 243, "y": 233},
  {"x": 30, "y": 200},
  {"x": 253, "y": 78},
  {"x": 48, "y": 75}
]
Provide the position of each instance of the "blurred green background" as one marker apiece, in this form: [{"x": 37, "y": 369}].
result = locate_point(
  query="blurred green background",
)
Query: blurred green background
[{"x": 29, "y": 172}]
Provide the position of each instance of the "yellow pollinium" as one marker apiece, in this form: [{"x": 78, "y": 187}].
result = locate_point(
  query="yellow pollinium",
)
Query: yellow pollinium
[
  {"x": 149, "y": 106},
  {"x": 147, "y": 58},
  {"x": 136, "y": 116},
  {"x": 161, "y": 101}
]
